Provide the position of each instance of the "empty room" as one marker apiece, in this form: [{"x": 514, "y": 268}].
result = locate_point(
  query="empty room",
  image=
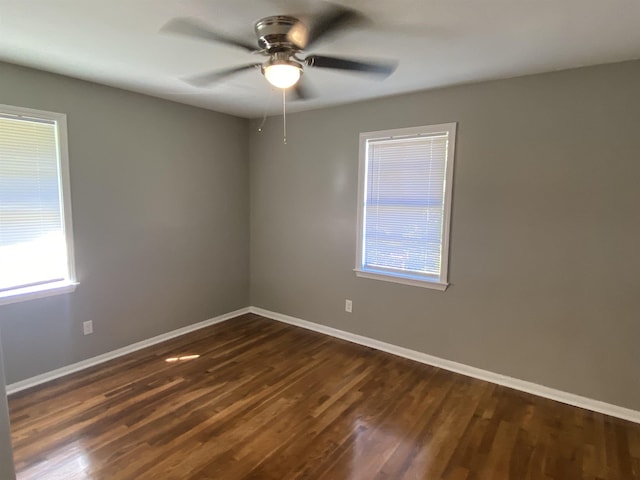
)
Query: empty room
[{"x": 273, "y": 239}]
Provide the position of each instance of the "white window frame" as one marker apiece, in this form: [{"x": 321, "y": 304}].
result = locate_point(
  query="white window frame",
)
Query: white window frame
[
  {"x": 68, "y": 284},
  {"x": 437, "y": 283}
]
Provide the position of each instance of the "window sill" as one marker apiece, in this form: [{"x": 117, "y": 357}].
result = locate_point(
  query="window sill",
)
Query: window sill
[
  {"x": 403, "y": 280},
  {"x": 38, "y": 291}
]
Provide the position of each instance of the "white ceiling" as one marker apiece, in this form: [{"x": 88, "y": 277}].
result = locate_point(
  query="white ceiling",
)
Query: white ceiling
[{"x": 437, "y": 43}]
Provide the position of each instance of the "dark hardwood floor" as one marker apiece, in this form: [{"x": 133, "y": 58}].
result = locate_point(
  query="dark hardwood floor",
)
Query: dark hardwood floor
[{"x": 266, "y": 400}]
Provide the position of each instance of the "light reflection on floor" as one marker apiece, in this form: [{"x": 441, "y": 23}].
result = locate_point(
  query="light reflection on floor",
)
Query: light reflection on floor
[
  {"x": 374, "y": 441},
  {"x": 70, "y": 462},
  {"x": 181, "y": 358}
]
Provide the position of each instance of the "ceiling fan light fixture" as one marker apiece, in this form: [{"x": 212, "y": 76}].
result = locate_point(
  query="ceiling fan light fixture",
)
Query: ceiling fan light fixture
[{"x": 282, "y": 74}]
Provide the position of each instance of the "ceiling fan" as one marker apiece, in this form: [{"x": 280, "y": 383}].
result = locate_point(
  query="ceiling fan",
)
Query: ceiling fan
[{"x": 282, "y": 39}]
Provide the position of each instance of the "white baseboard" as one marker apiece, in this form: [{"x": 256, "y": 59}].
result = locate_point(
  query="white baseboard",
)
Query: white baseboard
[
  {"x": 522, "y": 385},
  {"x": 90, "y": 362}
]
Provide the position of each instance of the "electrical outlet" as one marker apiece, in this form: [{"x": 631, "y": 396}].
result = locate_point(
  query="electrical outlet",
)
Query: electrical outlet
[
  {"x": 87, "y": 327},
  {"x": 348, "y": 306}
]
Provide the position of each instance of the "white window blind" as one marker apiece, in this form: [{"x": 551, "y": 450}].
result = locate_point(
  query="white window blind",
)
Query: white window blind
[
  {"x": 405, "y": 204},
  {"x": 34, "y": 249}
]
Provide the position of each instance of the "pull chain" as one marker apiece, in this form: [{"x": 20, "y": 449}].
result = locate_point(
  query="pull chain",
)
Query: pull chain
[
  {"x": 284, "y": 117},
  {"x": 266, "y": 111},
  {"x": 264, "y": 119}
]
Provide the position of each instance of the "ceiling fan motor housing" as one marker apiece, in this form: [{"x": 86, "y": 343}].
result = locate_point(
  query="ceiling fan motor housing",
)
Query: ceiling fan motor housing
[{"x": 272, "y": 33}]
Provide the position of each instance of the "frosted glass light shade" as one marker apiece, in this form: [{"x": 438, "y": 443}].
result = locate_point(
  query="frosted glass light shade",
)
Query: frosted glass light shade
[{"x": 282, "y": 75}]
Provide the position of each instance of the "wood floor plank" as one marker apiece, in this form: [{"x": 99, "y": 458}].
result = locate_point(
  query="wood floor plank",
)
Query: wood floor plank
[{"x": 268, "y": 401}]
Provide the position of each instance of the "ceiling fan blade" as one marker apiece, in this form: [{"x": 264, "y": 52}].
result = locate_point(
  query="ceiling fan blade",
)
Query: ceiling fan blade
[
  {"x": 377, "y": 68},
  {"x": 193, "y": 28},
  {"x": 302, "y": 91},
  {"x": 334, "y": 18},
  {"x": 204, "y": 79}
]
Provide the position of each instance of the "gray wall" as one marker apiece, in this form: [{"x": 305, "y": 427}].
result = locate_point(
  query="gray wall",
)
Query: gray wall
[
  {"x": 6, "y": 454},
  {"x": 545, "y": 228},
  {"x": 160, "y": 214}
]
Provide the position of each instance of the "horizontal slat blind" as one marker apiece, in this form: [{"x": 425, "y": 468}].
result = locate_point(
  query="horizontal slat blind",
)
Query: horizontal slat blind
[
  {"x": 32, "y": 243},
  {"x": 404, "y": 204}
]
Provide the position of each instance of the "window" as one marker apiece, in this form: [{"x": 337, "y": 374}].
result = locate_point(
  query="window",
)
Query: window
[
  {"x": 36, "y": 246},
  {"x": 404, "y": 205}
]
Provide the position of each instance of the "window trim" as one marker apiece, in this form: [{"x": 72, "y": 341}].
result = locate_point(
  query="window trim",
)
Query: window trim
[
  {"x": 440, "y": 283},
  {"x": 69, "y": 284}
]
